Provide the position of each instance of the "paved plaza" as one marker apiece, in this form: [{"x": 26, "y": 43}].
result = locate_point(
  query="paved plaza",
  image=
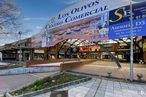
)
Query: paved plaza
[
  {"x": 102, "y": 67},
  {"x": 104, "y": 88}
]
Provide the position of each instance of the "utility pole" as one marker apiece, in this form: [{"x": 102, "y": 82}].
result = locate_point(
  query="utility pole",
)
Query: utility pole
[{"x": 131, "y": 36}]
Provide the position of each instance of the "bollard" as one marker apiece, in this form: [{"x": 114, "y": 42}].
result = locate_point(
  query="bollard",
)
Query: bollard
[
  {"x": 109, "y": 73},
  {"x": 139, "y": 76}
]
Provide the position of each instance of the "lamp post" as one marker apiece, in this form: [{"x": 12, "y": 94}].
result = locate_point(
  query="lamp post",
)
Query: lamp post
[
  {"x": 46, "y": 34},
  {"x": 20, "y": 50},
  {"x": 131, "y": 36}
]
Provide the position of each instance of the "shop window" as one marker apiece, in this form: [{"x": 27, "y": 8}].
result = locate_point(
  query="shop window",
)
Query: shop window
[{"x": 38, "y": 56}]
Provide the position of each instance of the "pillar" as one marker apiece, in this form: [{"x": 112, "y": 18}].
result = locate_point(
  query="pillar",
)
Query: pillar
[
  {"x": 31, "y": 54},
  {"x": 17, "y": 56},
  {"x": 23, "y": 55},
  {"x": 45, "y": 53}
]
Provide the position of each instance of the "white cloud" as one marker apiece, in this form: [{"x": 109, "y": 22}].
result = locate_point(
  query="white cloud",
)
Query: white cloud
[
  {"x": 41, "y": 18},
  {"x": 38, "y": 27},
  {"x": 70, "y": 1}
]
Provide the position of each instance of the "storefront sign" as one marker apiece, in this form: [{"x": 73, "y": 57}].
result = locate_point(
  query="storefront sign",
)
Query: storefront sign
[
  {"x": 89, "y": 48},
  {"x": 38, "y": 51}
]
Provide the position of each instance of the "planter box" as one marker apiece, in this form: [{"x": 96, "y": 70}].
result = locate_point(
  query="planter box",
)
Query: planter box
[{"x": 43, "y": 91}]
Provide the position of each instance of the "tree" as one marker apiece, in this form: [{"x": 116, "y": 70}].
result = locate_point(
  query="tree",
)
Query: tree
[{"x": 9, "y": 18}]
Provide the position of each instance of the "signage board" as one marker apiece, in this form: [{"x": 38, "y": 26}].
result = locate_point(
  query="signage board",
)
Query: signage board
[
  {"x": 92, "y": 48},
  {"x": 119, "y": 21},
  {"x": 38, "y": 51}
]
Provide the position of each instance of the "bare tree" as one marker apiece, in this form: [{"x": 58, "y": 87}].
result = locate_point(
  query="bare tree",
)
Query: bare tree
[{"x": 9, "y": 18}]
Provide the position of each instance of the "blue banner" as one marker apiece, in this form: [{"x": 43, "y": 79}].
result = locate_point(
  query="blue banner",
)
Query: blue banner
[
  {"x": 119, "y": 21},
  {"x": 122, "y": 30}
]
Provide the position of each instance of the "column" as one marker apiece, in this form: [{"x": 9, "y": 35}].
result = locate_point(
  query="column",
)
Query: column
[
  {"x": 23, "y": 56},
  {"x": 31, "y": 54},
  {"x": 45, "y": 53}
]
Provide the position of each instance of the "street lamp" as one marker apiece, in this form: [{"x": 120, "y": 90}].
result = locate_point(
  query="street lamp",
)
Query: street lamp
[
  {"x": 131, "y": 36},
  {"x": 20, "y": 51}
]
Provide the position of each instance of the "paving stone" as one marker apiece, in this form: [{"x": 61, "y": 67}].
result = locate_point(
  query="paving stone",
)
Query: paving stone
[
  {"x": 100, "y": 95},
  {"x": 144, "y": 95},
  {"x": 107, "y": 88},
  {"x": 109, "y": 94},
  {"x": 119, "y": 96}
]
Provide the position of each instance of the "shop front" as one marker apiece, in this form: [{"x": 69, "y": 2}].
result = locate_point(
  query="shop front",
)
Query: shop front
[{"x": 38, "y": 54}]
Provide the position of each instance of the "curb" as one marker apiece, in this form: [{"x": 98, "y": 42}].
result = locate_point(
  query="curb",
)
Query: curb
[{"x": 18, "y": 71}]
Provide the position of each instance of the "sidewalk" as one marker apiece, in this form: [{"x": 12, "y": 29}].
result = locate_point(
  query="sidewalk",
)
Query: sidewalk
[{"x": 104, "y": 88}]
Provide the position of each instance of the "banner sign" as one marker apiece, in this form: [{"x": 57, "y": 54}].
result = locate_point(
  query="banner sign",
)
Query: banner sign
[
  {"x": 93, "y": 20},
  {"x": 38, "y": 40},
  {"x": 119, "y": 21},
  {"x": 87, "y": 20},
  {"x": 93, "y": 29},
  {"x": 84, "y": 9}
]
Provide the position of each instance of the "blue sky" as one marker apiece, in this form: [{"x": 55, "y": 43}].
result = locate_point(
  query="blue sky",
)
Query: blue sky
[{"x": 36, "y": 13}]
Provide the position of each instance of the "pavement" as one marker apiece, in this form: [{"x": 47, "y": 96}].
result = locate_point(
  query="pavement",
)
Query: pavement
[
  {"x": 14, "y": 82},
  {"x": 103, "y": 88},
  {"x": 102, "y": 67}
]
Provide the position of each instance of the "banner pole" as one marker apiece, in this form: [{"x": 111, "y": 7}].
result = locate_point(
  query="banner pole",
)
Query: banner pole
[{"x": 131, "y": 36}]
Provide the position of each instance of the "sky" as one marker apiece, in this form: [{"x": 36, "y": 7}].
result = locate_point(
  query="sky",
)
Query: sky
[{"x": 36, "y": 13}]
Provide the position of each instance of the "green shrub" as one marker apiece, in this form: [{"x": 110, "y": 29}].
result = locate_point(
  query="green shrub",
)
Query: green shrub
[{"x": 47, "y": 82}]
